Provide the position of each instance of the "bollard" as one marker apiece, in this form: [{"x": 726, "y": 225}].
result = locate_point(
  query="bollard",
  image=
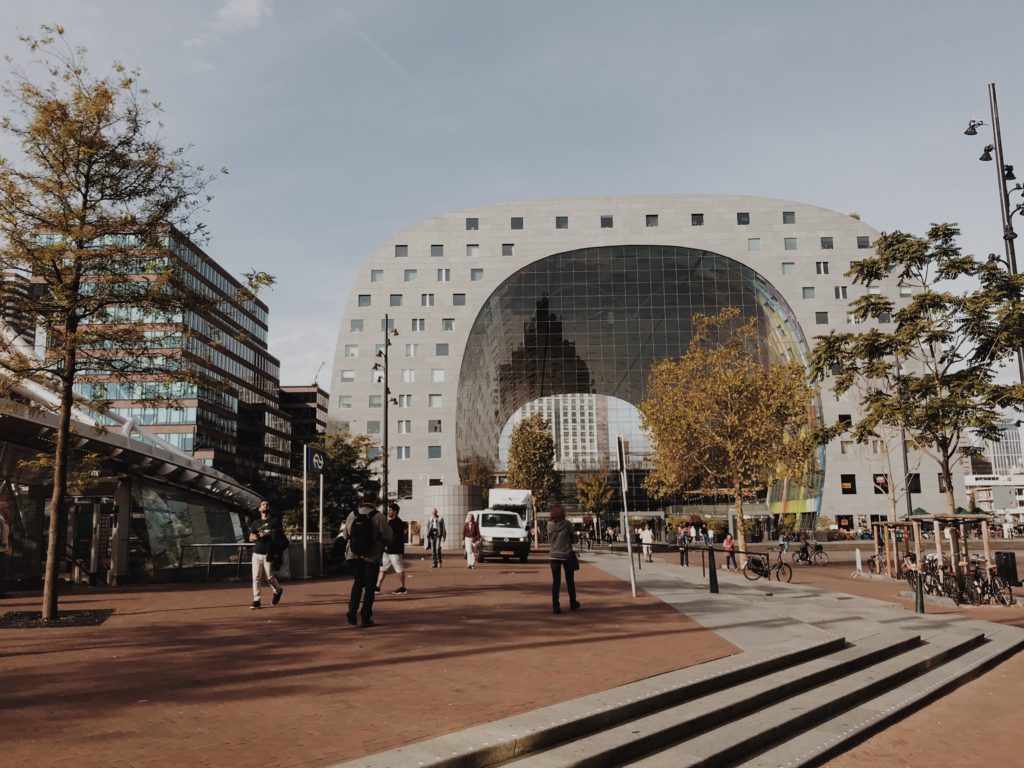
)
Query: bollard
[
  {"x": 712, "y": 573},
  {"x": 918, "y": 592},
  {"x": 684, "y": 556}
]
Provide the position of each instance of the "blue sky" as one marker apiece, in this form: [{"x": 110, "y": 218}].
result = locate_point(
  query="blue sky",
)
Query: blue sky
[{"x": 343, "y": 122}]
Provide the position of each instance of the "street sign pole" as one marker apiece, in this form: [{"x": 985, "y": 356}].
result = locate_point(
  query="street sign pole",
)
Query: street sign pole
[
  {"x": 624, "y": 482},
  {"x": 321, "y": 537},
  {"x": 305, "y": 513}
]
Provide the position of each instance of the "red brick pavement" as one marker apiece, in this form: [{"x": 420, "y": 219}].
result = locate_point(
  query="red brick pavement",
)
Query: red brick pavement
[{"x": 187, "y": 675}]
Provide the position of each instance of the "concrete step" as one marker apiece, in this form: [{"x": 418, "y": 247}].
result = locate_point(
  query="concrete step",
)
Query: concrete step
[{"x": 789, "y": 715}]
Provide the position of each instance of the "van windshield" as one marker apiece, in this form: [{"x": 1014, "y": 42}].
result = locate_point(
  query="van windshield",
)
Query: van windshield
[{"x": 499, "y": 520}]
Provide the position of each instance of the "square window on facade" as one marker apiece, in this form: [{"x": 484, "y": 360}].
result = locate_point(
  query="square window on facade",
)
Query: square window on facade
[
  {"x": 404, "y": 426},
  {"x": 606, "y": 222},
  {"x": 388, "y": 325},
  {"x": 840, "y": 291},
  {"x": 433, "y": 425},
  {"x": 821, "y": 267},
  {"x": 447, "y": 323},
  {"x": 355, "y": 326},
  {"x": 561, "y": 222},
  {"x": 821, "y": 318},
  {"x": 348, "y": 376},
  {"x": 652, "y": 219},
  {"x": 373, "y": 452},
  {"x": 373, "y": 427},
  {"x": 426, "y": 299},
  {"x": 441, "y": 350},
  {"x": 848, "y": 484},
  {"x": 433, "y": 451},
  {"x": 363, "y": 300},
  {"x": 788, "y": 267},
  {"x": 476, "y": 275},
  {"x": 516, "y": 222},
  {"x": 507, "y": 249},
  {"x": 419, "y": 324},
  {"x": 808, "y": 291},
  {"x": 375, "y": 401},
  {"x": 753, "y": 243},
  {"x": 874, "y": 290},
  {"x": 351, "y": 350},
  {"x": 473, "y": 223},
  {"x": 410, "y": 275},
  {"x": 696, "y": 219},
  {"x": 790, "y": 243},
  {"x": 376, "y": 275},
  {"x": 743, "y": 217},
  {"x": 344, "y": 401},
  {"x": 914, "y": 482},
  {"x": 408, "y": 376},
  {"x": 906, "y": 290},
  {"x": 863, "y": 241},
  {"x": 405, "y": 489},
  {"x": 884, "y": 318},
  {"x": 403, "y": 452},
  {"x": 401, "y": 251},
  {"x": 846, "y": 446},
  {"x": 473, "y": 250},
  {"x": 437, "y": 375},
  {"x": 411, "y": 350},
  {"x": 942, "y": 483},
  {"x": 789, "y": 217},
  {"x": 880, "y": 482},
  {"x": 434, "y": 401},
  {"x": 458, "y": 299},
  {"x": 826, "y": 244},
  {"x": 437, "y": 251},
  {"x": 444, "y": 275},
  {"x": 396, "y": 300},
  {"x": 435, "y": 481}
]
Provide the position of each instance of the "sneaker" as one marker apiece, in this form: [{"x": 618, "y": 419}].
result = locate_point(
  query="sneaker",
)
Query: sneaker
[
  {"x": 368, "y": 623},
  {"x": 351, "y": 618},
  {"x": 255, "y": 605},
  {"x": 574, "y": 606},
  {"x": 277, "y": 596},
  {"x": 434, "y": 565},
  {"x": 376, "y": 589},
  {"x": 556, "y": 609},
  {"x": 400, "y": 591}
]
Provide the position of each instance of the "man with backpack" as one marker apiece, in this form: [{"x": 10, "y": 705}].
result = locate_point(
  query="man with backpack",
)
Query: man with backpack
[
  {"x": 367, "y": 532},
  {"x": 265, "y": 532}
]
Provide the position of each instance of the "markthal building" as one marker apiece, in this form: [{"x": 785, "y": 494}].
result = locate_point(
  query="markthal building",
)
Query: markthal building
[{"x": 561, "y": 307}]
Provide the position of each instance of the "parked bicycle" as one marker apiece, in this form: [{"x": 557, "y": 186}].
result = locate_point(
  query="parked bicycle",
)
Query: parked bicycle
[
  {"x": 760, "y": 566},
  {"x": 807, "y": 555}
]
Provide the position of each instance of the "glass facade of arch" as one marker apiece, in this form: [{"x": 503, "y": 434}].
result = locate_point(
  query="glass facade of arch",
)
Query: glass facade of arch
[{"x": 594, "y": 320}]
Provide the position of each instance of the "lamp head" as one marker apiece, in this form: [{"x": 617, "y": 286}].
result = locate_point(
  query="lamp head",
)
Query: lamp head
[
  {"x": 972, "y": 128},
  {"x": 1008, "y": 173},
  {"x": 986, "y": 155}
]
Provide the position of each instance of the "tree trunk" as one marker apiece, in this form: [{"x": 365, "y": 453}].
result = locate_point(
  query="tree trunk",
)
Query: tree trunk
[
  {"x": 741, "y": 537},
  {"x": 58, "y": 527},
  {"x": 947, "y": 478}
]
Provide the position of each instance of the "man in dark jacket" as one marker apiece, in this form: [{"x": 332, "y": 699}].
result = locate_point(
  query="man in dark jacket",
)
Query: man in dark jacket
[
  {"x": 436, "y": 534},
  {"x": 394, "y": 551},
  {"x": 264, "y": 532},
  {"x": 365, "y": 565}
]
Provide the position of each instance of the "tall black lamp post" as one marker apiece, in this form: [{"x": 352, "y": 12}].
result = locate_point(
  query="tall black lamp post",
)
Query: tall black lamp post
[
  {"x": 382, "y": 366},
  {"x": 1004, "y": 175}
]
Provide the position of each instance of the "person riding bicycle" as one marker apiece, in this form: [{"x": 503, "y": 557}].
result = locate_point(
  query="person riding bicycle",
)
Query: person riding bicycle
[{"x": 805, "y": 550}]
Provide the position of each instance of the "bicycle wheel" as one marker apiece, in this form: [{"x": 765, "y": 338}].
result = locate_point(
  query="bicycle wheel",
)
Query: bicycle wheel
[
  {"x": 951, "y": 588},
  {"x": 820, "y": 558},
  {"x": 783, "y": 572},
  {"x": 1001, "y": 590},
  {"x": 970, "y": 591}
]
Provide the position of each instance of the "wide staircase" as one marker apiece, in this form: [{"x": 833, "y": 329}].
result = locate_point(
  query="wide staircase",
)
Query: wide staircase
[{"x": 817, "y": 673}]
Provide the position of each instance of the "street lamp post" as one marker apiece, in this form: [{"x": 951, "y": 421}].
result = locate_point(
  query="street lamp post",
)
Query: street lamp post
[
  {"x": 382, "y": 366},
  {"x": 1004, "y": 174}
]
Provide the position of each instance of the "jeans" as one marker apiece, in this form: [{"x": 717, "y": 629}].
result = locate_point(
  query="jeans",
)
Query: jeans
[
  {"x": 364, "y": 584},
  {"x": 435, "y": 549},
  {"x": 557, "y": 566},
  {"x": 470, "y": 552},
  {"x": 262, "y": 569}
]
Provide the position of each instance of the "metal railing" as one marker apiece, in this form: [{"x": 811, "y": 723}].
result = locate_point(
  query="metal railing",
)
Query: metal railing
[{"x": 239, "y": 560}]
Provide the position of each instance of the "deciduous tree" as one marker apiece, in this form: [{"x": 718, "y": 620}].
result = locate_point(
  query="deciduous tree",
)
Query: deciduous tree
[
  {"x": 531, "y": 461},
  {"x": 594, "y": 494}
]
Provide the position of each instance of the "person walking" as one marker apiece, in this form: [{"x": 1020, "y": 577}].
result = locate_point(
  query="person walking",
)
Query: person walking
[
  {"x": 394, "y": 550},
  {"x": 647, "y": 540},
  {"x": 730, "y": 553},
  {"x": 6, "y": 548},
  {"x": 683, "y": 540},
  {"x": 367, "y": 533},
  {"x": 470, "y": 538},
  {"x": 265, "y": 531},
  {"x": 561, "y": 557},
  {"x": 436, "y": 535}
]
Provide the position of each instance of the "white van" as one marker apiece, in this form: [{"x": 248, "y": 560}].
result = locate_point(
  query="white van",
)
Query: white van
[{"x": 503, "y": 534}]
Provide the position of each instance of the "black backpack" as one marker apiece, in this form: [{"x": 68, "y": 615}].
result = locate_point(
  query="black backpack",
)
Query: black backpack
[{"x": 363, "y": 534}]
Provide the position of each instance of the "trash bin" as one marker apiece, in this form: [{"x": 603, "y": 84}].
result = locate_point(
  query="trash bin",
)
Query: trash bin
[{"x": 1006, "y": 566}]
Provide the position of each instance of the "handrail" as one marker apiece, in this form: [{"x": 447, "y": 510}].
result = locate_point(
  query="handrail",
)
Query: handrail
[{"x": 239, "y": 546}]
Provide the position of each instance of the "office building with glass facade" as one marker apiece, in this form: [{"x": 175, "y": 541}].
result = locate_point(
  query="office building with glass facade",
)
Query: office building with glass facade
[{"x": 500, "y": 308}]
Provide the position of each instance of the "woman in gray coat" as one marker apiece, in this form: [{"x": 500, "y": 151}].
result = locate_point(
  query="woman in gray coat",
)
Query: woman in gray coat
[{"x": 560, "y": 538}]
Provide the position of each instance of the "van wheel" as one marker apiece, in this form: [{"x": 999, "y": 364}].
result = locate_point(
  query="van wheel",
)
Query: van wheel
[
  {"x": 504, "y": 559},
  {"x": 523, "y": 558},
  {"x": 480, "y": 558}
]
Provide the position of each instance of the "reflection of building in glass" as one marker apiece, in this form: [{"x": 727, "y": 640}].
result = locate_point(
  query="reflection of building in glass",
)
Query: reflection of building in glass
[
  {"x": 525, "y": 304},
  {"x": 1005, "y": 453}
]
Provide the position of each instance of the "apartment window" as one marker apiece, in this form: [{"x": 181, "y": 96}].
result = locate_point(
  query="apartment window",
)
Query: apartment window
[
  {"x": 880, "y": 482},
  {"x": 401, "y": 251},
  {"x": 405, "y": 489},
  {"x": 437, "y": 251},
  {"x": 387, "y": 326},
  {"x": 373, "y": 452},
  {"x": 696, "y": 219},
  {"x": 437, "y": 375},
  {"x": 914, "y": 482},
  {"x": 419, "y": 324},
  {"x": 826, "y": 244},
  {"x": 874, "y": 290},
  {"x": 753, "y": 243},
  {"x": 348, "y": 376},
  {"x": 840, "y": 291},
  {"x": 403, "y": 452},
  {"x": 351, "y": 350},
  {"x": 851, "y": 319},
  {"x": 435, "y": 481},
  {"x": 344, "y": 401},
  {"x": 743, "y": 217},
  {"x": 508, "y": 249},
  {"x": 410, "y": 275},
  {"x": 433, "y": 425},
  {"x": 788, "y": 267},
  {"x": 473, "y": 223},
  {"x": 821, "y": 267},
  {"x": 516, "y": 222},
  {"x": 476, "y": 275},
  {"x": 846, "y": 419},
  {"x": 441, "y": 350},
  {"x": 942, "y": 483},
  {"x": 411, "y": 350},
  {"x": 790, "y": 243},
  {"x": 906, "y": 290},
  {"x": 376, "y": 275},
  {"x": 821, "y": 318},
  {"x": 789, "y": 217},
  {"x": 863, "y": 241},
  {"x": 808, "y": 291},
  {"x": 404, "y": 426},
  {"x": 404, "y": 401},
  {"x": 473, "y": 250},
  {"x": 355, "y": 326},
  {"x": 426, "y": 299},
  {"x": 606, "y": 222},
  {"x": 848, "y": 484},
  {"x": 652, "y": 219},
  {"x": 433, "y": 451},
  {"x": 396, "y": 300},
  {"x": 433, "y": 401},
  {"x": 447, "y": 323},
  {"x": 561, "y": 222},
  {"x": 363, "y": 300},
  {"x": 846, "y": 446},
  {"x": 444, "y": 275},
  {"x": 458, "y": 299},
  {"x": 373, "y": 427},
  {"x": 408, "y": 375},
  {"x": 884, "y": 318},
  {"x": 375, "y": 401}
]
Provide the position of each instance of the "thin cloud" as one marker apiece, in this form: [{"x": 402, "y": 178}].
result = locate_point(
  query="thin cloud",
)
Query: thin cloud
[
  {"x": 390, "y": 61},
  {"x": 231, "y": 18}
]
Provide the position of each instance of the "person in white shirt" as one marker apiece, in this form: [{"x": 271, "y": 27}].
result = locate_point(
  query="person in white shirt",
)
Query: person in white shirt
[{"x": 647, "y": 540}]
